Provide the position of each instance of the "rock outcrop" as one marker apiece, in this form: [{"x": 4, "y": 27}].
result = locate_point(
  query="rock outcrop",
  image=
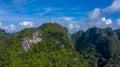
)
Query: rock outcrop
[{"x": 27, "y": 41}]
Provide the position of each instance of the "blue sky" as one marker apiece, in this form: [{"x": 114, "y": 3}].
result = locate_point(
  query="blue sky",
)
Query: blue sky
[{"x": 73, "y": 14}]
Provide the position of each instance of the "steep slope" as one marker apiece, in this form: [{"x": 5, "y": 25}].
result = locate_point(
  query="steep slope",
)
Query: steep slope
[
  {"x": 49, "y": 45},
  {"x": 3, "y": 34},
  {"x": 118, "y": 32},
  {"x": 56, "y": 47},
  {"x": 102, "y": 45}
]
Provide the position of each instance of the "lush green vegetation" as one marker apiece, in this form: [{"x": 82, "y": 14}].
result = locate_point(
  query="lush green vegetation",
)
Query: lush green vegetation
[
  {"x": 100, "y": 47},
  {"x": 55, "y": 50},
  {"x": 95, "y": 47}
]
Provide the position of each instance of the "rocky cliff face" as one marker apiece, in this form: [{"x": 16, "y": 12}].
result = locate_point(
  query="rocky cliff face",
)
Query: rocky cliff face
[
  {"x": 102, "y": 45},
  {"x": 27, "y": 41}
]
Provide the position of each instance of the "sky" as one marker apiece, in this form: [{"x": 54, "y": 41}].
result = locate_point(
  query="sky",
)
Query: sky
[{"x": 16, "y": 15}]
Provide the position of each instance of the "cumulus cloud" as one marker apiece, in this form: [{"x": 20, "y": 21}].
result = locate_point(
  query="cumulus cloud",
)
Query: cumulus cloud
[
  {"x": 12, "y": 27},
  {"x": 95, "y": 14},
  {"x": 106, "y": 21},
  {"x": 97, "y": 17},
  {"x": 98, "y": 13},
  {"x": 3, "y": 27},
  {"x": 8, "y": 28},
  {"x": 114, "y": 7},
  {"x": 73, "y": 26},
  {"x": 26, "y": 24}
]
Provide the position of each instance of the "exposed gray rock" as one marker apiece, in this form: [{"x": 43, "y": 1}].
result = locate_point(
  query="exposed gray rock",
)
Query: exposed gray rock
[{"x": 27, "y": 41}]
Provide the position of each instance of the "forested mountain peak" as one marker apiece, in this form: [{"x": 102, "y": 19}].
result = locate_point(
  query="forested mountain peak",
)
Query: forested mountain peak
[
  {"x": 49, "y": 45},
  {"x": 98, "y": 43}
]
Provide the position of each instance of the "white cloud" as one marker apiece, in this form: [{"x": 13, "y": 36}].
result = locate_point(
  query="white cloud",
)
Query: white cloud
[
  {"x": 95, "y": 14},
  {"x": 3, "y": 27},
  {"x": 98, "y": 13},
  {"x": 118, "y": 22},
  {"x": 0, "y": 24},
  {"x": 98, "y": 16},
  {"x": 68, "y": 18},
  {"x": 114, "y": 7},
  {"x": 77, "y": 26},
  {"x": 73, "y": 26},
  {"x": 26, "y": 24},
  {"x": 8, "y": 28},
  {"x": 12, "y": 27},
  {"x": 106, "y": 21}
]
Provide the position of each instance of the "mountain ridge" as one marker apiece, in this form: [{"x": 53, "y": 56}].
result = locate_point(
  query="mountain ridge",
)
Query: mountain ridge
[{"x": 51, "y": 45}]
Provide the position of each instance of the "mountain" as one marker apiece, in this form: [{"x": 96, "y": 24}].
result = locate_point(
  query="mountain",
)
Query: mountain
[
  {"x": 118, "y": 32},
  {"x": 49, "y": 45},
  {"x": 3, "y": 34},
  {"x": 100, "y": 47}
]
